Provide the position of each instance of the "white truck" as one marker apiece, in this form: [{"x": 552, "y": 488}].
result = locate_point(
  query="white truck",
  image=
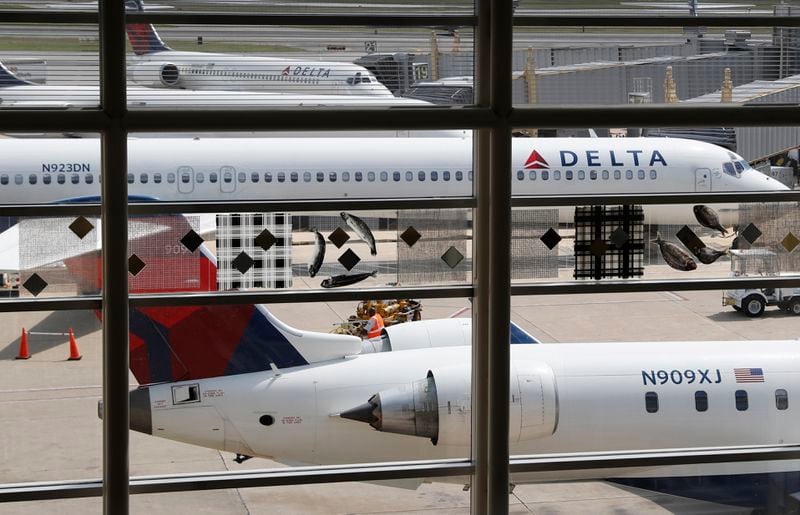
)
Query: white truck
[{"x": 753, "y": 301}]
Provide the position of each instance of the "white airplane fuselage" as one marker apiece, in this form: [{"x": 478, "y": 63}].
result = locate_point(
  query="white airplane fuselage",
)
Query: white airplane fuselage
[
  {"x": 564, "y": 398},
  {"x": 39, "y": 171}
]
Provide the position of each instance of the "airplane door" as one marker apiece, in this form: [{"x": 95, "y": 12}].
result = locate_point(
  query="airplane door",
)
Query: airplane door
[
  {"x": 702, "y": 179},
  {"x": 185, "y": 179},
  {"x": 227, "y": 179}
]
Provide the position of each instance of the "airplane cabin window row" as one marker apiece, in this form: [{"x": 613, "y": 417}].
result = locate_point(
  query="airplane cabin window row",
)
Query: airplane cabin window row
[
  {"x": 581, "y": 175},
  {"x": 701, "y": 400}
]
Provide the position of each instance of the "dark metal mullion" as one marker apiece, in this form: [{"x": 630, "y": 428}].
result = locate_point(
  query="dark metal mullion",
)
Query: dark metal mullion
[
  {"x": 114, "y": 211},
  {"x": 676, "y": 21},
  {"x": 639, "y": 285}
]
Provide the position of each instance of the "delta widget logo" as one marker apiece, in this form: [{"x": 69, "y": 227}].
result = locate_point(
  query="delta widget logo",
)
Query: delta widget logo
[{"x": 536, "y": 162}]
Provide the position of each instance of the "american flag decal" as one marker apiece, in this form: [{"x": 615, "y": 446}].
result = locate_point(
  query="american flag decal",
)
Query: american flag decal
[{"x": 749, "y": 375}]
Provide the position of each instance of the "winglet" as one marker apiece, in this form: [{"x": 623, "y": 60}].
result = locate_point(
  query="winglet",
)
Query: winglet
[
  {"x": 7, "y": 78},
  {"x": 143, "y": 37}
]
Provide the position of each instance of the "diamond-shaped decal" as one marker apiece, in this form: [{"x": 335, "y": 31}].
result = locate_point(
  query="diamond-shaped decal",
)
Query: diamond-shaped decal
[
  {"x": 243, "y": 262},
  {"x": 690, "y": 239},
  {"x": 135, "y": 265},
  {"x": 550, "y": 238},
  {"x": 35, "y": 284},
  {"x": 452, "y": 257},
  {"x": 81, "y": 227},
  {"x": 349, "y": 259},
  {"x": 338, "y": 237},
  {"x": 598, "y": 247},
  {"x": 619, "y": 237},
  {"x": 410, "y": 236},
  {"x": 790, "y": 242},
  {"x": 191, "y": 240},
  {"x": 751, "y": 233},
  {"x": 265, "y": 240}
]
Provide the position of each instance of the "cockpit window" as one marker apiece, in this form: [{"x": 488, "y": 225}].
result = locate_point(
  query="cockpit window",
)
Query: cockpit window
[
  {"x": 729, "y": 169},
  {"x": 738, "y": 166}
]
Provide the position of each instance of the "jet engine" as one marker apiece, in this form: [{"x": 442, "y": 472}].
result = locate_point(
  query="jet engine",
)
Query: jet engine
[
  {"x": 421, "y": 334},
  {"x": 438, "y": 407},
  {"x": 155, "y": 74}
]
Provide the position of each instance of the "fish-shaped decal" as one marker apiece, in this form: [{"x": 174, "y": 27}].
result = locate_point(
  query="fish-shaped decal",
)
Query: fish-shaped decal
[
  {"x": 707, "y": 255},
  {"x": 346, "y": 279},
  {"x": 361, "y": 229},
  {"x": 674, "y": 255},
  {"x": 319, "y": 254},
  {"x": 707, "y": 217}
]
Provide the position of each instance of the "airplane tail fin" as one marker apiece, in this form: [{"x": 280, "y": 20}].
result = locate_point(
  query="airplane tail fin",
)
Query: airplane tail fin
[
  {"x": 143, "y": 36},
  {"x": 7, "y": 78},
  {"x": 176, "y": 343}
]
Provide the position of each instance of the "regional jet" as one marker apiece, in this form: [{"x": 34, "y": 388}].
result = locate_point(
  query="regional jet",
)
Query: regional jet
[
  {"x": 237, "y": 379},
  {"x": 154, "y": 64}
]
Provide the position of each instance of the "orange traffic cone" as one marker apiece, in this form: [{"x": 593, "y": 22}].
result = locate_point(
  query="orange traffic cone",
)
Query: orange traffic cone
[
  {"x": 23, "y": 346},
  {"x": 73, "y": 348}
]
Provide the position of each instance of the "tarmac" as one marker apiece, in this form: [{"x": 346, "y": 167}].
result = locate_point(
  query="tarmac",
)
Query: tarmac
[{"x": 49, "y": 429}]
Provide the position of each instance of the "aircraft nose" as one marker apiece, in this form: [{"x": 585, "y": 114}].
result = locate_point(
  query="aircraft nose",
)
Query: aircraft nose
[{"x": 141, "y": 418}]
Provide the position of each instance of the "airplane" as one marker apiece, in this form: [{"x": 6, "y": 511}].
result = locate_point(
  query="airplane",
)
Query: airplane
[
  {"x": 154, "y": 64},
  {"x": 693, "y": 6},
  {"x": 329, "y": 168},
  {"x": 237, "y": 379}
]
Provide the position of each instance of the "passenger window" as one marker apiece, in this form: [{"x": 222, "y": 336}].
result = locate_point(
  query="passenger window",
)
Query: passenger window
[
  {"x": 332, "y": 176},
  {"x": 434, "y": 176},
  {"x": 143, "y": 178},
  {"x": 459, "y": 176},
  {"x": 384, "y": 176},
  {"x": 267, "y": 177},
  {"x": 171, "y": 178},
  {"x": 545, "y": 175},
  {"x": 32, "y": 179},
  {"x": 469, "y": 176},
  {"x": 227, "y": 177},
  {"x": 320, "y": 176},
  {"x": 651, "y": 402},
  {"x": 581, "y": 175},
  {"x": 359, "y": 176},
  {"x": 213, "y": 177},
  {"x": 617, "y": 175},
  {"x": 242, "y": 177},
  {"x": 605, "y": 175},
  {"x": 396, "y": 176},
  {"x": 4, "y": 179},
  {"x": 345, "y": 176},
  {"x": 186, "y": 177},
  {"x": 157, "y": 178},
  {"x": 421, "y": 176},
  {"x": 557, "y": 175},
  {"x": 701, "y": 400},
  {"x": 46, "y": 179},
  {"x": 445, "y": 175},
  {"x": 88, "y": 178},
  {"x": 294, "y": 176},
  {"x": 75, "y": 178},
  {"x": 371, "y": 176},
  {"x": 61, "y": 178},
  {"x": 199, "y": 177},
  {"x": 18, "y": 179},
  {"x": 568, "y": 175},
  {"x": 629, "y": 174},
  {"x": 409, "y": 176},
  {"x": 741, "y": 400},
  {"x": 532, "y": 175},
  {"x": 520, "y": 175},
  {"x": 653, "y": 174},
  {"x": 254, "y": 177},
  {"x": 130, "y": 178},
  {"x": 281, "y": 177},
  {"x": 641, "y": 174},
  {"x": 593, "y": 175},
  {"x": 781, "y": 399}
]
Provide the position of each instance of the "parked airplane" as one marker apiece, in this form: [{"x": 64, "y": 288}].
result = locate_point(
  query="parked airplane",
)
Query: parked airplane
[
  {"x": 19, "y": 93},
  {"x": 156, "y": 65},
  {"x": 235, "y": 378},
  {"x": 328, "y": 168}
]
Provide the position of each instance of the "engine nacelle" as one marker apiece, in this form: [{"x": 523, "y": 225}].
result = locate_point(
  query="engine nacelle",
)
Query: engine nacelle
[
  {"x": 422, "y": 334},
  {"x": 155, "y": 74},
  {"x": 439, "y": 406}
]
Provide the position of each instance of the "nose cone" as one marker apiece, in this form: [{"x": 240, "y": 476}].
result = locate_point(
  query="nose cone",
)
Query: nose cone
[{"x": 141, "y": 419}]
